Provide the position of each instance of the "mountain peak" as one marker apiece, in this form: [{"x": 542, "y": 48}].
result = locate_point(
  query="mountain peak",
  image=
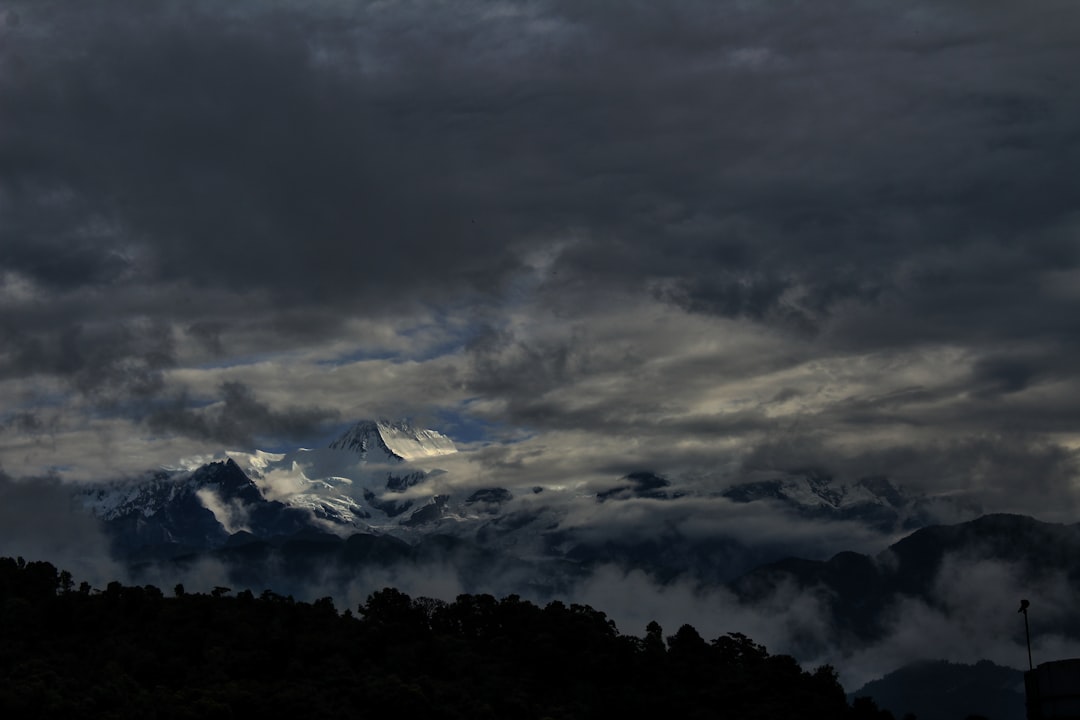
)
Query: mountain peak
[
  {"x": 400, "y": 440},
  {"x": 230, "y": 480}
]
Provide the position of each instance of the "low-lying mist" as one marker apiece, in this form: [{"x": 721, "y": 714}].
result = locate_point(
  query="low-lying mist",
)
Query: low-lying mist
[{"x": 968, "y": 613}]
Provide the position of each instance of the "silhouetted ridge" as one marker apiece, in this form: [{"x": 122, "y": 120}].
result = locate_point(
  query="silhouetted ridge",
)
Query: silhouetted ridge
[{"x": 939, "y": 690}]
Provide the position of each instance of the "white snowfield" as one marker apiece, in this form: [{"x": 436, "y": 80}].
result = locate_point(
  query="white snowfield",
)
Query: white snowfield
[
  {"x": 805, "y": 492},
  {"x": 415, "y": 444},
  {"x": 366, "y": 451},
  {"x": 331, "y": 481},
  {"x": 396, "y": 440}
]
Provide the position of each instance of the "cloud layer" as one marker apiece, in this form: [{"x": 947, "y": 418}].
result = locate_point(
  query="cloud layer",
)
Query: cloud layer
[{"x": 707, "y": 239}]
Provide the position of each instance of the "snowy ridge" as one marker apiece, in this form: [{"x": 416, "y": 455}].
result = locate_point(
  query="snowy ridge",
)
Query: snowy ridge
[
  {"x": 813, "y": 490},
  {"x": 364, "y": 481},
  {"x": 397, "y": 440},
  {"x": 382, "y": 479},
  {"x": 347, "y": 483},
  {"x": 255, "y": 463},
  {"x": 111, "y": 500},
  {"x": 873, "y": 500},
  {"x": 357, "y": 481},
  {"x": 147, "y": 494}
]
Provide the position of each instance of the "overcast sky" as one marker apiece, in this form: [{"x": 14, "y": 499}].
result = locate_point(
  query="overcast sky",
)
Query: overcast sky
[{"x": 711, "y": 239}]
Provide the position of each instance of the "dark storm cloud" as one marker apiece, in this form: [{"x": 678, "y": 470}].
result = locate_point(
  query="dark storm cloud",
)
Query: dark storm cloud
[
  {"x": 30, "y": 424},
  {"x": 225, "y": 151},
  {"x": 237, "y": 419},
  {"x": 1004, "y": 375},
  {"x": 732, "y": 155},
  {"x": 855, "y": 179},
  {"x": 752, "y": 297},
  {"x": 110, "y": 361},
  {"x": 506, "y": 365}
]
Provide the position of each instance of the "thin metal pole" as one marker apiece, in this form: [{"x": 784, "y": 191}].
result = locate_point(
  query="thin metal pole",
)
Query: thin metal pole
[
  {"x": 1024, "y": 605},
  {"x": 1027, "y": 632}
]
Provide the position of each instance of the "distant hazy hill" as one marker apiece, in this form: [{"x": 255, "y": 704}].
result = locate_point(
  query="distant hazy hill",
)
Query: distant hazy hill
[
  {"x": 949, "y": 691},
  {"x": 859, "y": 589}
]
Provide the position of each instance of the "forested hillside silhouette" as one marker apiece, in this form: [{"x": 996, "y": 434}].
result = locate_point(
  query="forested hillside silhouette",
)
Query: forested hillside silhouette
[{"x": 70, "y": 650}]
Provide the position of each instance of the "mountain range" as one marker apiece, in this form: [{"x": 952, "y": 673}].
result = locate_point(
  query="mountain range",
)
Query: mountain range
[
  {"x": 354, "y": 484},
  {"x": 874, "y": 500},
  {"x": 378, "y": 478},
  {"x": 375, "y": 498}
]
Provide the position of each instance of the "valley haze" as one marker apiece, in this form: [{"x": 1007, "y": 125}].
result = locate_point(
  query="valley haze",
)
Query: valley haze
[
  {"x": 669, "y": 290},
  {"x": 371, "y": 509}
]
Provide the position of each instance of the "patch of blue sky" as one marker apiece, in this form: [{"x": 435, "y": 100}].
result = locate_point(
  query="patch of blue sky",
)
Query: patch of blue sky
[
  {"x": 239, "y": 361},
  {"x": 449, "y": 332},
  {"x": 40, "y": 400},
  {"x": 442, "y": 349},
  {"x": 465, "y": 428},
  {"x": 27, "y": 419},
  {"x": 446, "y": 334},
  {"x": 359, "y": 355},
  {"x": 277, "y": 445},
  {"x": 319, "y": 436}
]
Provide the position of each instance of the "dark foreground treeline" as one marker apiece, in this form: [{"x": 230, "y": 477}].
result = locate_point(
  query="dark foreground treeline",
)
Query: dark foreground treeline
[{"x": 68, "y": 651}]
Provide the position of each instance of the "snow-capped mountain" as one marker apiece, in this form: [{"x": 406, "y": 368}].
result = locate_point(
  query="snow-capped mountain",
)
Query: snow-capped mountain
[
  {"x": 163, "y": 487},
  {"x": 171, "y": 512},
  {"x": 354, "y": 482},
  {"x": 360, "y": 482},
  {"x": 393, "y": 440},
  {"x": 377, "y": 488}
]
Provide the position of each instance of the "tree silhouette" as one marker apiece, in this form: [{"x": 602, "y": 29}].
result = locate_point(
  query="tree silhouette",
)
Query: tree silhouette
[{"x": 132, "y": 652}]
